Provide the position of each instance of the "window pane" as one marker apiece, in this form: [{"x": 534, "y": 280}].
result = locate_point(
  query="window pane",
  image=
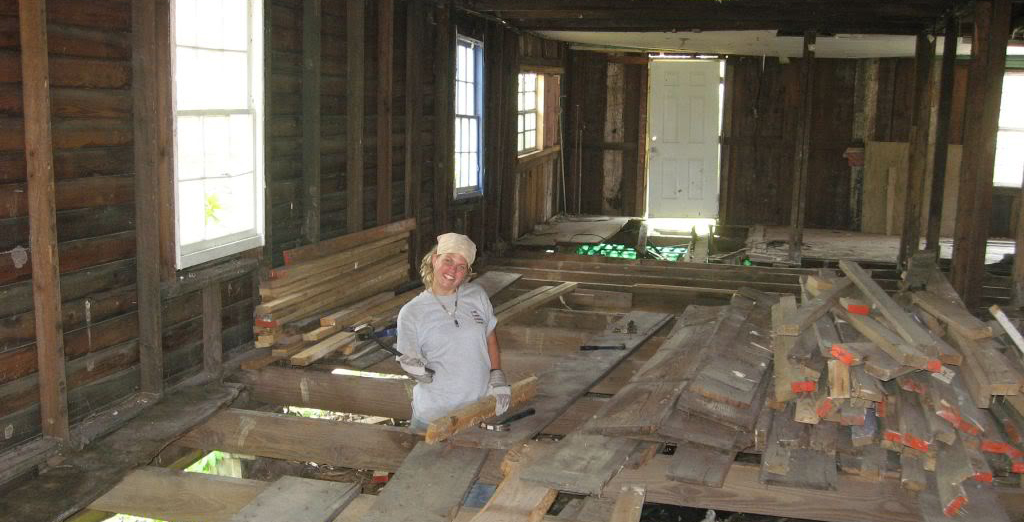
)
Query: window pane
[
  {"x": 185, "y": 22},
  {"x": 228, "y": 206},
  {"x": 519, "y": 144},
  {"x": 1009, "y": 158},
  {"x": 189, "y": 147},
  {"x": 519, "y": 102},
  {"x": 530, "y": 102},
  {"x": 531, "y": 139},
  {"x": 473, "y": 138},
  {"x": 241, "y": 156},
  {"x": 211, "y": 25},
  {"x": 531, "y": 121},
  {"x": 190, "y": 212},
  {"x": 1011, "y": 109},
  {"x": 236, "y": 25}
]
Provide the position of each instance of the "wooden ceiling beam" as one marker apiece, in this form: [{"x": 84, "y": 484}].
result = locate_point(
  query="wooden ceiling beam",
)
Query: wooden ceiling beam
[{"x": 631, "y": 24}]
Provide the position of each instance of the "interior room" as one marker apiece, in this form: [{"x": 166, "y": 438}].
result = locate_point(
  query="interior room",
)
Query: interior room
[{"x": 745, "y": 259}]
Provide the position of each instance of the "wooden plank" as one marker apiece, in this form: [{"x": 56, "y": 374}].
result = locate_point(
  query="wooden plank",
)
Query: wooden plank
[
  {"x": 355, "y": 83},
  {"x": 810, "y": 311},
  {"x": 887, "y": 340},
  {"x": 581, "y": 463},
  {"x": 429, "y": 486},
  {"x": 803, "y": 147},
  {"x": 471, "y": 415},
  {"x": 516, "y": 500},
  {"x": 1008, "y": 327},
  {"x": 347, "y": 242},
  {"x": 323, "y": 349},
  {"x": 940, "y": 152},
  {"x": 84, "y": 476},
  {"x": 560, "y": 385},
  {"x": 320, "y": 501},
  {"x": 414, "y": 43},
  {"x": 629, "y": 504},
  {"x": 147, "y": 194},
  {"x": 287, "y": 437},
  {"x": 953, "y": 314},
  {"x": 990, "y": 368},
  {"x": 981, "y": 124},
  {"x": 213, "y": 350},
  {"x": 494, "y": 281},
  {"x": 49, "y": 333},
  {"x": 910, "y": 238},
  {"x": 912, "y": 332},
  {"x": 167, "y": 494},
  {"x": 385, "y": 87},
  {"x": 536, "y": 298},
  {"x": 699, "y": 464},
  {"x": 311, "y": 66}
]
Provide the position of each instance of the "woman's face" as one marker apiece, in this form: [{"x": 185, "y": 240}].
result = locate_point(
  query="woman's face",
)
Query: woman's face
[{"x": 450, "y": 270}]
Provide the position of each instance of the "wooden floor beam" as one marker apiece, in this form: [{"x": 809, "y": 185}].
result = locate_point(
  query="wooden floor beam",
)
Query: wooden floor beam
[
  {"x": 53, "y": 403},
  {"x": 981, "y": 124}
]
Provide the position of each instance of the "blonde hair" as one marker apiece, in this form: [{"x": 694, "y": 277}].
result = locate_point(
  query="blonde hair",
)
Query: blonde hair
[{"x": 427, "y": 269}]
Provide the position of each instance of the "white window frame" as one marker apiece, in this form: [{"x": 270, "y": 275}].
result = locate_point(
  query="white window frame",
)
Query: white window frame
[
  {"x": 1004, "y": 163},
  {"x": 468, "y": 163},
  {"x": 525, "y": 87},
  {"x": 187, "y": 255}
]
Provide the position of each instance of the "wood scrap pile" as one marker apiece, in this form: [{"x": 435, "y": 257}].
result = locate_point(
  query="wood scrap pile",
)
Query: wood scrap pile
[
  {"x": 323, "y": 278},
  {"x": 855, "y": 381}
]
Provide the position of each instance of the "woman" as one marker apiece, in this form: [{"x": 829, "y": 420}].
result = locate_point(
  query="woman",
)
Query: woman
[{"x": 446, "y": 337}]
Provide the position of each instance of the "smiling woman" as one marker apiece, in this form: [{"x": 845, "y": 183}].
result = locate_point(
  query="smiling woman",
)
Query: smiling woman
[{"x": 446, "y": 336}]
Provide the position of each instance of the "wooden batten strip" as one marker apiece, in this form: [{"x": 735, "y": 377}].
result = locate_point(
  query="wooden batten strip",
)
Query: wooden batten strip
[
  {"x": 339, "y": 244},
  {"x": 385, "y": 72},
  {"x": 355, "y": 17},
  {"x": 42, "y": 220}
]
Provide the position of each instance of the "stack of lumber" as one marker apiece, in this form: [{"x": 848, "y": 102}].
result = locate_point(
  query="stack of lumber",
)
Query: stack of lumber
[
  {"x": 330, "y": 275},
  {"x": 880, "y": 384},
  {"x": 850, "y": 380}
]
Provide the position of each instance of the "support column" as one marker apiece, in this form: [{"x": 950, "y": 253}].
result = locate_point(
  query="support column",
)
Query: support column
[
  {"x": 147, "y": 191},
  {"x": 385, "y": 72},
  {"x": 1017, "y": 291},
  {"x": 35, "y": 81},
  {"x": 444, "y": 123},
  {"x": 918, "y": 160},
  {"x": 413, "y": 114},
  {"x": 355, "y": 39},
  {"x": 311, "y": 16},
  {"x": 803, "y": 146},
  {"x": 942, "y": 134},
  {"x": 981, "y": 123}
]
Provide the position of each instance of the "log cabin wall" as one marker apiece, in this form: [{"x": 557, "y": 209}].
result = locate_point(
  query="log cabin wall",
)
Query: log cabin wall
[
  {"x": 606, "y": 132},
  {"x": 92, "y": 124}
]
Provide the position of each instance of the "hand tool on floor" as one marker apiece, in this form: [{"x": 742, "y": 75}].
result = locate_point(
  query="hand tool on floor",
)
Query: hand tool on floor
[
  {"x": 593, "y": 347},
  {"x": 503, "y": 422}
]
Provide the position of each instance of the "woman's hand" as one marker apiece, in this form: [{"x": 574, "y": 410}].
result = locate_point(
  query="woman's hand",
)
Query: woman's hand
[{"x": 498, "y": 387}]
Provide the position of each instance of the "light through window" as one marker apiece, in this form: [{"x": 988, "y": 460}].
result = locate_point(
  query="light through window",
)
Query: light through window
[
  {"x": 1010, "y": 140},
  {"x": 218, "y": 102},
  {"x": 529, "y": 111},
  {"x": 468, "y": 117}
]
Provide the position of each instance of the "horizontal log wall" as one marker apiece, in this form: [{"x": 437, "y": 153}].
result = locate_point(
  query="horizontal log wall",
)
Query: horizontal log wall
[{"x": 91, "y": 79}]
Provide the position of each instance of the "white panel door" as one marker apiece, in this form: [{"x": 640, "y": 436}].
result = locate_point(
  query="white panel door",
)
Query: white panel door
[{"x": 682, "y": 139}]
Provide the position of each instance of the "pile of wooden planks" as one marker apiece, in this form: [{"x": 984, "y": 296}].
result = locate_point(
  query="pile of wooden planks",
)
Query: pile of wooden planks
[
  {"x": 330, "y": 275},
  {"x": 879, "y": 385}
]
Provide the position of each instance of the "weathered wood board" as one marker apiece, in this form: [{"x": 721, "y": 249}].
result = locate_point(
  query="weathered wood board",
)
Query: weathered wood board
[{"x": 298, "y": 500}]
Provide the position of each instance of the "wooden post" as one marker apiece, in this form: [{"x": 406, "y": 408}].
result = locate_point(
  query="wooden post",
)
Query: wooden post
[
  {"x": 35, "y": 80},
  {"x": 413, "y": 114},
  {"x": 355, "y": 39},
  {"x": 385, "y": 72},
  {"x": 1017, "y": 290},
  {"x": 942, "y": 134},
  {"x": 981, "y": 123},
  {"x": 918, "y": 153},
  {"x": 803, "y": 146},
  {"x": 147, "y": 190},
  {"x": 268, "y": 170},
  {"x": 164, "y": 138},
  {"x": 444, "y": 123},
  {"x": 213, "y": 350},
  {"x": 311, "y": 16}
]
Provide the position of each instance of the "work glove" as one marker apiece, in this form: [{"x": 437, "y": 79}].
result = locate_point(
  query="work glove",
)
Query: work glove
[
  {"x": 416, "y": 368},
  {"x": 498, "y": 387}
]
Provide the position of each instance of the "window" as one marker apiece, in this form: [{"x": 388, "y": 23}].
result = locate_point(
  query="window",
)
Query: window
[
  {"x": 530, "y": 111},
  {"x": 218, "y": 128},
  {"x": 1010, "y": 140},
  {"x": 469, "y": 75}
]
